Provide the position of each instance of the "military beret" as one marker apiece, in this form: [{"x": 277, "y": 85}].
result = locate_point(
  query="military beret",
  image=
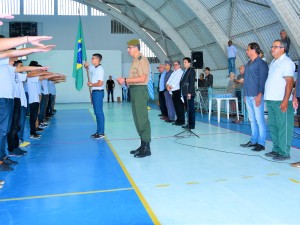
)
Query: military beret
[{"x": 133, "y": 42}]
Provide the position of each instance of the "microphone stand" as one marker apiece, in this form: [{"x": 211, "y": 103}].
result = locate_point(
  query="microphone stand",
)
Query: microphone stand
[{"x": 188, "y": 130}]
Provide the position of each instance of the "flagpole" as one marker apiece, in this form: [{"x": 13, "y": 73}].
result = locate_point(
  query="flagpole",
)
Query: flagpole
[
  {"x": 87, "y": 69},
  {"x": 90, "y": 89}
]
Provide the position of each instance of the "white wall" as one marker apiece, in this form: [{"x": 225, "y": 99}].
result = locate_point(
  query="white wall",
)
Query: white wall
[{"x": 61, "y": 61}]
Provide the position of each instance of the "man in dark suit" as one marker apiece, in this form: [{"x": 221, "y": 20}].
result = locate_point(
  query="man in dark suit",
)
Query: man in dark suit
[
  {"x": 187, "y": 86},
  {"x": 209, "y": 79}
]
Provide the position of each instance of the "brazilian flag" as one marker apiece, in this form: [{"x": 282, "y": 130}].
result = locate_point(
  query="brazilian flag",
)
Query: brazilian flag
[{"x": 79, "y": 58}]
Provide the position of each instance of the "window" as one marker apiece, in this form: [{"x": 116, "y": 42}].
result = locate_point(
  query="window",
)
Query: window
[
  {"x": 10, "y": 7},
  {"x": 71, "y": 8},
  {"x": 96, "y": 12},
  {"x": 118, "y": 28},
  {"x": 38, "y": 7},
  {"x": 147, "y": 52}
]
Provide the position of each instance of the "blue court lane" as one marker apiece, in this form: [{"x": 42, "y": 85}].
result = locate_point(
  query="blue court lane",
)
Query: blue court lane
[{"x": 69, "y": 178}]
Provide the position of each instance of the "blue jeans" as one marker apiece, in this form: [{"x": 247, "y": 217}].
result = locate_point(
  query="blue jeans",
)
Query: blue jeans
[
  {"x": 170, "y": 106},
  {"x": 257, "y": 120},
  {"x": 97, "y": 99},
  {"x": 6, "y": 106},
  {"x": 22, "y": 123},
  {"x": 125, "y": 95},
  {"x": 231, "y": 65}
]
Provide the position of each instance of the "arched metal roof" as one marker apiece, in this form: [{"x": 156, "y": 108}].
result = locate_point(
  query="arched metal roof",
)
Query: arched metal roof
[{"x": 175, "y": 28}]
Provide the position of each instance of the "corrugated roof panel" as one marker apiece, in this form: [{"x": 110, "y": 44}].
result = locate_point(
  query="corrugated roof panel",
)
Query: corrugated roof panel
[
  {"x": 155, "y": 3},
  {"x": 296, "y": 6},
  {"x": 172, "y": 48},
  {"x": 214, "y": 57},
  {"x": 222, "y": 15},
  {"x": 258, "y": 15},
  {"x": 172, "y": 16},
  {"x": 242, "y": 55},
  {"x": 203, "y": 32},
  {"x": 184, "y": 10},
  {"x": 269, "y": 35},
  {"x": 151, "y": 25},
  {"x": 212, "y": 3},
  {"x": 245, "y": 39},
  {"x": 239, "y": 23},
  {"x": 190, "y": 37}
]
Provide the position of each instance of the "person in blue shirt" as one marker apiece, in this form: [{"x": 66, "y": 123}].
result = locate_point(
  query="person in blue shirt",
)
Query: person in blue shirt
[{"x": 256, "y": 73}]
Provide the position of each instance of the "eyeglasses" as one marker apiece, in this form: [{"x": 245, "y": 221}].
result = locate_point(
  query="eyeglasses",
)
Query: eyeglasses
[
  {"x": 276, "y": 47},
  {"x": 175, "y": 64}
]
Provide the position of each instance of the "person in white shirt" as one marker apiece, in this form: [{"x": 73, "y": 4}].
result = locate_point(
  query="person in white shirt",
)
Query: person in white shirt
[
  {"x": 231, "y": 54},
  {"x": 173, "y": 86},
  {"x": 278, "y": 95},
  {"x": 22, "y": 78},
  {"x": 96, "y": 73}
]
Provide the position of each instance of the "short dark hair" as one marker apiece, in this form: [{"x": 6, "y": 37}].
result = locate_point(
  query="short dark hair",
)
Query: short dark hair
[
  {"x": 33, "y": 63},
  {"x": 207, "y": 68},
  {"x": 2, "y": 36},
  {"x": 283, "y": 43},
  {"x": 255, "y": 46},
  {"x": 187, "y": 59},
  {"x": 98, "y": 55},
  {"x": 17, "y": 62}
]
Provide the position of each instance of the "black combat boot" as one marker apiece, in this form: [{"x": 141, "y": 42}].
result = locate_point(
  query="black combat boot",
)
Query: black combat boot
[
  {"x": 139, "y": 148},
  {"x": 145, "y": 151}
]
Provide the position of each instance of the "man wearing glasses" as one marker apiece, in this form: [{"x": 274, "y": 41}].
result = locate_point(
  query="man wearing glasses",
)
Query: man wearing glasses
[
  {"x": 173, "y": 86},
  {"x": 256, "y": 73},
  {"x": 278, "y": 94},
  {"x": 138, "y": 80}
]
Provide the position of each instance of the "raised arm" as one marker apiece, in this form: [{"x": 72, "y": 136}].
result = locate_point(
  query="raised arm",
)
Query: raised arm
[
  {"x": 29, "y": 68},
  {"x": 8, "y": 43},
  {"x": 25, "y": 51}
]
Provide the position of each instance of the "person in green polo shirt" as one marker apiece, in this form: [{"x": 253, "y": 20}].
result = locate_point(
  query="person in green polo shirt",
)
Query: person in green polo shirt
[{"x": 137, "y": 80}]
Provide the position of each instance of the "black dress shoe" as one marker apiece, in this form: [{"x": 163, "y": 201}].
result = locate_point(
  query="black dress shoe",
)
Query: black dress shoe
[
  {"x": 281, "y": 157},
  {"x": 271, "y": 154},
  {"x": 161, "y": 115},
  {"x": 258, "y": 148},
  {"x": 249, "y": 144}
]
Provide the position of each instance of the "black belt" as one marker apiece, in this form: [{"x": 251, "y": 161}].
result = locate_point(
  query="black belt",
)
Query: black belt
[{"x": 98, "y": 90}]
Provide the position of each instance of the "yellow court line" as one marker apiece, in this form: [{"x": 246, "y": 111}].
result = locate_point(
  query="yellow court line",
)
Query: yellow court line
[
  {"x": 162, "y": 185},
  {"x": 247, "y": 177},
  {"x": 295, "y": 181},
  {"x": 136, "y": 189},
  {"x": 138, "y": 192},
  {"x": 221, "y": 180},
  {"x": 66, "y": 194},
  {"x": 192, "y": 182},
  {"x": 273, "y": 174}
]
